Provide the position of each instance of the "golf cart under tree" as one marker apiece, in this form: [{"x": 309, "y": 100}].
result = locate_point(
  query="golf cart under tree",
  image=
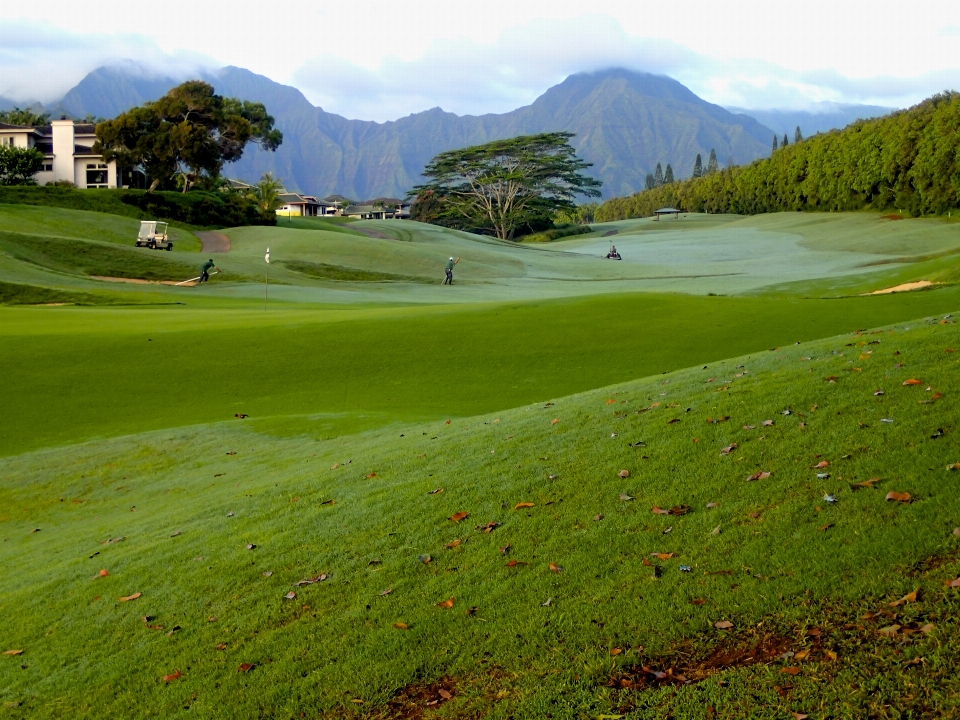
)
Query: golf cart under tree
[{"x": 153, "y": 235}]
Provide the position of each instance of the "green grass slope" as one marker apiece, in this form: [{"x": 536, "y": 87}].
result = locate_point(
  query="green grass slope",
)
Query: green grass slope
[
  {"x": 88, "y": 372},
  {"x": 211, "y": 527}
]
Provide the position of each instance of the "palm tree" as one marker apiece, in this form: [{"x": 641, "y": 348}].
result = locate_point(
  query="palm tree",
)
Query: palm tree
[{"x": 266, "y": 193}]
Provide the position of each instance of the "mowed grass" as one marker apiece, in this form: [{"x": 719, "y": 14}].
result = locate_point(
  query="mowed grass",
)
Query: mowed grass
[
  {"x": 170, "y": 515},
  {"x": 90, "y": 372}
]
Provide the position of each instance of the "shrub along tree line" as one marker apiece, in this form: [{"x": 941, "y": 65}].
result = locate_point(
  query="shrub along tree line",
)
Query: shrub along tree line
[
  {"x": 504, "y": 187},
  {"x": 908, "y": 161}
]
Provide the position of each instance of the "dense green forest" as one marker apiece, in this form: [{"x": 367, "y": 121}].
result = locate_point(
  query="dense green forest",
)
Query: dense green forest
[{"x": 908, "y": 161}]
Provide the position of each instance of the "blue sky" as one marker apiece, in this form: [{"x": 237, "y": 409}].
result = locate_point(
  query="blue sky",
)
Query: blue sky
[{"x": 383, "y": 60}]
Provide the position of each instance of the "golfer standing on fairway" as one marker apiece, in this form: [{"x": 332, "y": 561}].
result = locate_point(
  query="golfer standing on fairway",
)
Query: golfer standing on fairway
[
  {"x": 448, "y": 280},
  {"x": 205, "y": 271}
]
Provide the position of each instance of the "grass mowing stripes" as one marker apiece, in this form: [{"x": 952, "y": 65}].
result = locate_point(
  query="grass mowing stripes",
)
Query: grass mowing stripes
[{"x": 785, "y": 558}]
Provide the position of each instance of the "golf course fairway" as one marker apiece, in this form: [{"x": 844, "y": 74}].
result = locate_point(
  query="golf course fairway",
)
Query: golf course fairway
[{"x": 711, "y": 480}]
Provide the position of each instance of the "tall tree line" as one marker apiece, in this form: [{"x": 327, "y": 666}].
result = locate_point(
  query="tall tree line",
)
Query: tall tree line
[{"x": 907, "y": 161}]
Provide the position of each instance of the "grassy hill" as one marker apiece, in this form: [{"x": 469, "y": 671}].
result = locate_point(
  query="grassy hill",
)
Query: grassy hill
[
  {"x": 558, "y": 607},
  {"x": 207, "y": 451}
]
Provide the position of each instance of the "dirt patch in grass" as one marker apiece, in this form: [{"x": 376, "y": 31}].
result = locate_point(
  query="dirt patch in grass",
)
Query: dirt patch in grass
[
  {"x": 687, "y": 665},
  {"x": 414, "y": 701},
  {"x": 892, "y": 217}
]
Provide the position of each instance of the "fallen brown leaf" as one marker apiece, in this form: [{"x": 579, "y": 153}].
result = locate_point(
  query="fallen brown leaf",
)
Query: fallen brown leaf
[
  {"x": 457, "y": 517},
  {"x": 889, "y": 631},
  {"x": 953, "y": 583},
  {"x": 792, "y": 670},
  {"x": 728, "y": 449},
  {"x": 175, "y": 675},
  {"x": 220, "y": 646},
  {"x": 245, "y": 667},
  {"x": 913, "y": 381},
  {"x": 13, "y": 652},
  {"x": 698, "y": 601},
  {"x": 616, "y": 651},
  {"x": 723, "y": 625},
  {"x": 555, "y": 568},
  {"x": 453, "y": 544},
  {"x": 290, "y": 595},
  {"x": 927, "y": 628},
  {"x": 759, "y": 475},
  {"x": 866, "y": 483},
  {"x": 130, "y": 597},
  {"x": 435, "y": 492},
  {"x": 662, "y": 556},
  {"x": 801, "y": 655},
  {"x": 523, "y": 505},
  {"x": 902, "y": 497},
  {"x": 384, "y": 593},
  {"x": 821, "y": 464},
  {"x": 371, "y": 475},
  {"x": 555, "y": 421},
  {"x": 767, "y": 423},
  {"x": 831, "y": 655},
  {"x": 446, "y": 604},
  {"x": 400, "y": 626},
  {"x": 103, "y": 572},
  {"x": 799, "y": 716},
  {"x": 908, "y": 598},
  {"x": 611, "y": 401}
]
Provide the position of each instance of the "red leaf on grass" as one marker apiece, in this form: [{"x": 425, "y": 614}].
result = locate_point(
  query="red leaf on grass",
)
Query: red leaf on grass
[
  {"x": 175, "y": 675},
  {"x": 611, "y": 401},
  {"x": 679, "y": 510},
  {"x": 659, "y": 511},
  {"x": 512, "y": 563},
  {"x": 446, "y": 604},
  {"x": 902, "y": 497},
  {"x": 555, "y": 568},
  {"x": 913, "y": 381},
  {"x": 555, "y": 421},
  {"x": 457, "y": 517},
  {"x": 698, "y": 601},
  {"x": 130, "y": 597},
  {"x": 489, "y": 527},
  {"x": 453, "y": 544},
  {"x": 662, "y": 556},
  {"x": 821, "y": 464},
  {"x": 103, "y": 572},
  {"x": 371, "y": 475},
  {"x": 245, "y": 667}
]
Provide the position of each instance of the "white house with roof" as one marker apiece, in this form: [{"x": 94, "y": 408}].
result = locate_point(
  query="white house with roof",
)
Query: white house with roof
[
  {"x": 67, "y": 149},
  {"x": 304, "y": 206}
]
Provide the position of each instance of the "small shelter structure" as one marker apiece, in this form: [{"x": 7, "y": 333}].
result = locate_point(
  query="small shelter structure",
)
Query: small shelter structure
[{"x": 667, "y": 211}]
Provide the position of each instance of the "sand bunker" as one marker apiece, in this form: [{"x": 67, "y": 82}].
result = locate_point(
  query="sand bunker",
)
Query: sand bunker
[
  {"x": 902, "y": 288},
  {"x": 139, "y": 281}
]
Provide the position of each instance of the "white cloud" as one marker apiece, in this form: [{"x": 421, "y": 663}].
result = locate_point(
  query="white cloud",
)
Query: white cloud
[{"x": 405, "y": 56}]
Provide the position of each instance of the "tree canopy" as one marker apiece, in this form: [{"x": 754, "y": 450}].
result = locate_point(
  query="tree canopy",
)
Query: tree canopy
[
  {"x": 907, "y": 161},
  {"x": 190, "y": 132},
  {"x": 24, "y": 117},
  {"x": 505, "y": 185},
  {"x": 19, "y": 165}
]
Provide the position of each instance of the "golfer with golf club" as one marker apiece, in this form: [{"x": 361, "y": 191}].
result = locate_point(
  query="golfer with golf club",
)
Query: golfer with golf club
[{"x": 448, "y": 280}]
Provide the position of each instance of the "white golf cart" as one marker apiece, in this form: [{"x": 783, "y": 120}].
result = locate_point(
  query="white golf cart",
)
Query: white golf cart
[{"x": 153, "y": 235}]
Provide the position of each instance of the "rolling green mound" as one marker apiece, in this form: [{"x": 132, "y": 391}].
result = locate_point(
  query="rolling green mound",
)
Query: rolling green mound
[{"x": 714, "y": 537}]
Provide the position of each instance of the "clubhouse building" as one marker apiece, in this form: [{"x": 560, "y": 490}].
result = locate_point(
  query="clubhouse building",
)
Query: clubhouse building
[{"x": 68, "y": 155}]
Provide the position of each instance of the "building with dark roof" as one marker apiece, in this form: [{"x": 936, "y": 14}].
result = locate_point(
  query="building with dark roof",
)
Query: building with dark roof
[{"x": 67, "y": 149}]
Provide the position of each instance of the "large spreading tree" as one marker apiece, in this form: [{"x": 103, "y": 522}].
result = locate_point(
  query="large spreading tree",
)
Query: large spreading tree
[
  {"x": 190, "y": 132},
  {"x": 506, "y": 185}
]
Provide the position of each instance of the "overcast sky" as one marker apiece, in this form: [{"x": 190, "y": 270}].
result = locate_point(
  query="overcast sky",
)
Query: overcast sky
[{"x": 383, "y": 60}]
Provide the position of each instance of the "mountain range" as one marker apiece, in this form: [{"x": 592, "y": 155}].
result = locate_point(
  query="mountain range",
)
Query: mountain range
[{"x": 625, "y": 123}]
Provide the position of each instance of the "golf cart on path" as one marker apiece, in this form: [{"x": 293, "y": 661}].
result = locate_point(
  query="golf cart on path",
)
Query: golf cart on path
[{"x": 153, "y": 235}]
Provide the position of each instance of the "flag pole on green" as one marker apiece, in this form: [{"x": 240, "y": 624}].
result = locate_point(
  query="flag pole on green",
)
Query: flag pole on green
[{"x": 266, "y": 278}]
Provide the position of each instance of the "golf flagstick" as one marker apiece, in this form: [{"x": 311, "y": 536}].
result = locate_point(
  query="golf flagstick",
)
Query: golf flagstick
[{"x": 266, "y": 279}]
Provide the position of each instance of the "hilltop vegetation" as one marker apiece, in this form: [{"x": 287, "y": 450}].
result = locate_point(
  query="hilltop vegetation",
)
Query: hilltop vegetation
[{"x": 908, "y": 161}]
